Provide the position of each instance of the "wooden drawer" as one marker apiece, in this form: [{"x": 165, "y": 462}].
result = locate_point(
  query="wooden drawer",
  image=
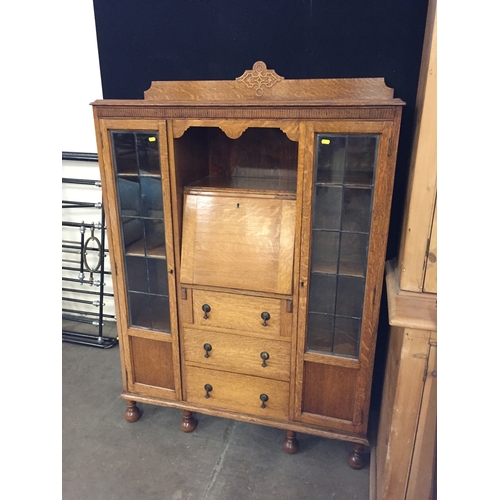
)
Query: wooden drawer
[
  {"x": 237, "y": 312},
  {"x": 235, "y": 392},
  {"x": 237, "y": 353}
]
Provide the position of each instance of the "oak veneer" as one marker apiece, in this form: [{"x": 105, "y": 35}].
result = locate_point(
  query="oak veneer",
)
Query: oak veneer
[
  {"x": 338, "y": 382},
  {"x": 152, "y": 362},
  {"x": 238, "y": 354},
  {"x": 237, "y": 312},
  {"x": 236, "y": 392},
  {"x": 270, "y": 230},
  {"x": 243, "y": 228}
]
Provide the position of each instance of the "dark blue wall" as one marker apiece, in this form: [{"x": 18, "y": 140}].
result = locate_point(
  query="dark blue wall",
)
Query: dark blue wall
[{"x": 144, "y": 40}]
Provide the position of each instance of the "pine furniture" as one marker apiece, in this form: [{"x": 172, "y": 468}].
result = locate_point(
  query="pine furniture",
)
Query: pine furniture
[{"x": 406, "y": 448}]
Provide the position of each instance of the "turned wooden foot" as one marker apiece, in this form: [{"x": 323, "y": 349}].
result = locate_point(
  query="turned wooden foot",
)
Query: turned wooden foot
[
  {"x": 188, "y": 423},
  {"x": 290, "y": 444},
  {"x": 132, "y": 413},
  {"x": 356, "y": 458}
]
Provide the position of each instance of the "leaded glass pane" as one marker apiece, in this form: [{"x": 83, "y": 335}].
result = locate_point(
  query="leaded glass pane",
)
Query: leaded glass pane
[
  {"x": 353, "y": 253},
  {"x": 320, "y": 333},
  {"x": 346, "y": 336},
  {"x": 327, "y": 207},
  {"x": 325, "y": 252},
  {"x": 356, "y": 210},
  {"x": 342, "y": 205},
  {"x": 138, "y": 183},
  {"x": 323, "y": 290},
  {"x": 360, "y": 160}
]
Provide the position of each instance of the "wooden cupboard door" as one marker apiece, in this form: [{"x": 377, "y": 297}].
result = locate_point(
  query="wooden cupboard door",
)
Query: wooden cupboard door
[
  {"x": 238, "y": 242},
  {"x": 423, "y": 465},
  {"x": 238, "y": 353},
  {"x": 348, "y": 175},
  {"x": 406, "y": 441},
  {"x": 136, "y": 188},
  {"x": 257, "y": 396}
]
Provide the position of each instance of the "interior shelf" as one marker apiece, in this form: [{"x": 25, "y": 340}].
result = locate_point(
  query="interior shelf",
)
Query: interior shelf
[{"x": 249, "y": 184}]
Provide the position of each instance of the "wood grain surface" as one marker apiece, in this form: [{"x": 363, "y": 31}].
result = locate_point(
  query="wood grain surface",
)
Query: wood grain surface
[
  {"x": 238, "y": 392},
  {"x": 238, "y": 354},
  {"x": 238, "y": 242},
  {"x": 237, "y": 312}
]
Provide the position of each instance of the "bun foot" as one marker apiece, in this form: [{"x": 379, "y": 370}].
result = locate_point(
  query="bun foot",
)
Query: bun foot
[
  {"x": 132, "y": 413},
  {"x": 290, "y": 444},
  {"x": 355, "y": 458},
  {"x": 188, "y": 423}
]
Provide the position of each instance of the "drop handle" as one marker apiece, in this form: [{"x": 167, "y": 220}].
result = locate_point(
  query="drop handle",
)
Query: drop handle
[
  {"x": 266, "y": 317},
  {"x": 208, "y": 388},
  {"x": 264, "y": 356},
  {"x": 263, "y": 398},
  {"x": 206, "y": 309},
  {"x": 207, "y": 348}
]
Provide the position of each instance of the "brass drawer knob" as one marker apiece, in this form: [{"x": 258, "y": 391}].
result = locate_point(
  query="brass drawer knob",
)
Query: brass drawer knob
[
  {"x": 265, "y": 356},
  {"x": 206, "y": 309},
  {"x": 209, "y": 389},
  {"x": 207, "y": 348},
  {"x": 266, "y": 317},
  {"x": 263, "y": 398}
]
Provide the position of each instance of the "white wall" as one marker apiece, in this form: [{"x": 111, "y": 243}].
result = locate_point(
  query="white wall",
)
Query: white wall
[
  {"x": 81, "y": 84},
  {"x": 81, "y": 79}
]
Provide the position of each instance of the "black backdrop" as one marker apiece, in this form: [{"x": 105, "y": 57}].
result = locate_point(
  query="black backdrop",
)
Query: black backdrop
[{"x": 140, "y": 41}]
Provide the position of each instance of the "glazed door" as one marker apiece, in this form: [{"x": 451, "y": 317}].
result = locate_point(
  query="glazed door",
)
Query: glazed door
[
  {"x": 348, "y": 172},
  {"x": 139, "y": 204}
]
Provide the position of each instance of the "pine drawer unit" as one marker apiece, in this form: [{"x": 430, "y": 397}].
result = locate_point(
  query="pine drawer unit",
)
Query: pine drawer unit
[{"x": 248, "y": 222}]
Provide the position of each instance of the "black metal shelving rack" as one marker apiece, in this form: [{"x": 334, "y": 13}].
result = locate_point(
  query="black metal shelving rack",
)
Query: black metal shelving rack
[{"x": 86, "y": 273}]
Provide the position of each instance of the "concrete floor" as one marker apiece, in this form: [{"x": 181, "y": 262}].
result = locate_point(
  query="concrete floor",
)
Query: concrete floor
[{"x": 107, "y": 458}]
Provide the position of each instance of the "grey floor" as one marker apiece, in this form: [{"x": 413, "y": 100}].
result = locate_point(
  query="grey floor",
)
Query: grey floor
[{"x": 107, "y": 458}]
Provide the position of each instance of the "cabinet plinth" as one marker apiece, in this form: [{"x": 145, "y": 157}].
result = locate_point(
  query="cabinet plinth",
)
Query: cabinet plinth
[{"x": 248, "y": 236}]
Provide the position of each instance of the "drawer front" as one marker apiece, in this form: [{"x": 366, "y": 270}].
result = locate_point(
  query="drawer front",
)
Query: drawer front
[
  {"x": 237, "y": 312},
  {"x": 235, "y": 392},
  {"x": 237, "y": 353}
]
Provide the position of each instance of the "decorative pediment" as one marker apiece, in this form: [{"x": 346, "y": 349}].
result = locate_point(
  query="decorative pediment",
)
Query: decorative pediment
[{"x": 263, "y": 86}]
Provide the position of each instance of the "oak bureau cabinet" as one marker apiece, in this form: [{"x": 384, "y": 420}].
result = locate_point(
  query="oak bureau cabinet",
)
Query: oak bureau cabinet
[{"x": 248, "y": 222}]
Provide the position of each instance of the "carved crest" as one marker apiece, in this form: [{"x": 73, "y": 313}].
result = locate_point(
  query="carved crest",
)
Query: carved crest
[{"x": 259, "y": 77}]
